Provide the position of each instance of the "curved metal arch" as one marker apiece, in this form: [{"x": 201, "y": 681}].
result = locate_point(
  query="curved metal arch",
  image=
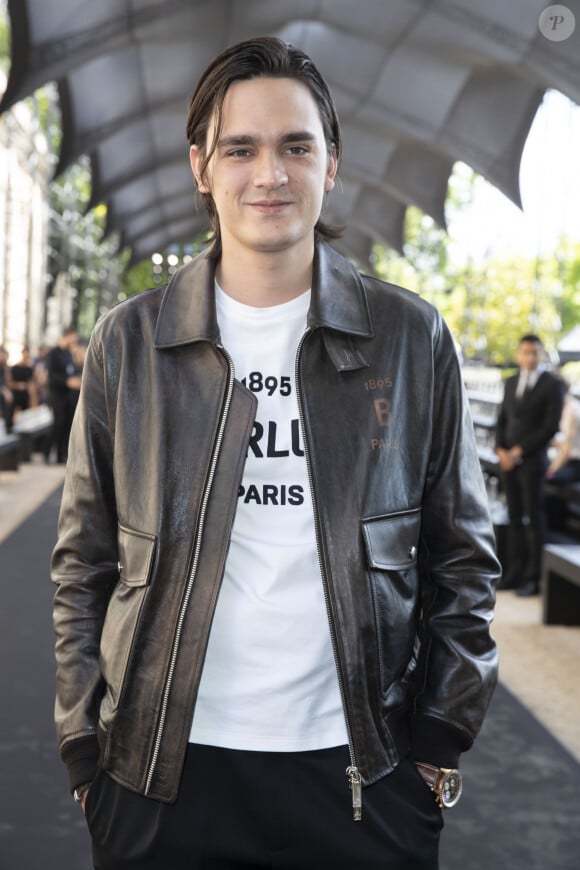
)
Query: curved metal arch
[
  {"x": 55, "y": 59},
  {"x": 487, "y": 69}
]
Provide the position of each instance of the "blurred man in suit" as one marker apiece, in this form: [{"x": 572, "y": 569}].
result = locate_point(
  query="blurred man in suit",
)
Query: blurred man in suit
[{"x": 528, "y": 419}]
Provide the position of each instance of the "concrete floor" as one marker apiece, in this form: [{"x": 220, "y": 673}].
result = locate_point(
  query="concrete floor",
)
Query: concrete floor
[{"x": 539, "y": 663}]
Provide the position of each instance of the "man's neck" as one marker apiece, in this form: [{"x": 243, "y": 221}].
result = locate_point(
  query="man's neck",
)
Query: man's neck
[{"x": 265, "y": 279}]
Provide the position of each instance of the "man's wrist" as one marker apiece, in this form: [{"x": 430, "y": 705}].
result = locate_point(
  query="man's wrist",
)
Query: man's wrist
[{"x": 81, "y": 757}]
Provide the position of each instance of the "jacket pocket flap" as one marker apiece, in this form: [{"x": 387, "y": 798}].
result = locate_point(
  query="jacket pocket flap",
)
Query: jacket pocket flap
[
  {"x": 136, "y": 551},
  {"x": 392, "y": 541}
]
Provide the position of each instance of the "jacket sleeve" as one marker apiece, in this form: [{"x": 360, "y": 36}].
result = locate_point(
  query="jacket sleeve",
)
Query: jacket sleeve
[
  {"x": 458, "y": 658},
  {"x": 84, "y": 569}
]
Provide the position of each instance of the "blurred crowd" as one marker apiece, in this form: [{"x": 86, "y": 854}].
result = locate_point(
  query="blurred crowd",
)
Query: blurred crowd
[{"x": 51, "y": 378}]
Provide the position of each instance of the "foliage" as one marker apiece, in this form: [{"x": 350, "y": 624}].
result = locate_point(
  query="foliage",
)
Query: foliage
[
  {"x": 4, "y": 39},
  {"x": 490, "y": 304},
  {"x": 44, "y": 104},
  {"x": 137, "y": 278},
  {"x": 79, "y": 250},
  {"x": 568, "y": 260},
  {"x": 146, "y": 274}
]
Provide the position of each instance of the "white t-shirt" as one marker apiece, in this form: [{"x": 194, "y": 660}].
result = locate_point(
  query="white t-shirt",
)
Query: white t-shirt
[{"x": 269, "y": 680}]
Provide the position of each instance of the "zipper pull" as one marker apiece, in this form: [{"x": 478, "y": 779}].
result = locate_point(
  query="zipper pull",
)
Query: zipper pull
[{"x": 356, "y": 786}]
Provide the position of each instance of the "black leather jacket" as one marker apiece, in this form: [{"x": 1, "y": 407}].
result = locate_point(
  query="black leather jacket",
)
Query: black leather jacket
[{"x": 156, "y": 458}]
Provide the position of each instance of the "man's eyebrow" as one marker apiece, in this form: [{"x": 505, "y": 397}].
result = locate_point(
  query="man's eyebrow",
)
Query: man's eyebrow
[
  {"x": 298, "y": 136},
  {"x": 239, "y": 140},
  {"x": 229, "y": 141}
]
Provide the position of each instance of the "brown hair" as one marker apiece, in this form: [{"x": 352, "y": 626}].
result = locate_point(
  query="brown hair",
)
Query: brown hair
[{"x": 264, "y": 56}]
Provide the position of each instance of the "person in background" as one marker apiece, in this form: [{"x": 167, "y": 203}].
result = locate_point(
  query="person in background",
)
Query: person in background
[
  {"x": 564, "y": 467},
  {"x": 61, "y": 380},
  {"x": 528, "y": 419},
  {"x": 22, "y": 382},
  {"x": 79, "y": 353},
  {"x": 6, "y": 397},
  {"x": 40, "y": 376},
  {"x": 275, "y": 567}
]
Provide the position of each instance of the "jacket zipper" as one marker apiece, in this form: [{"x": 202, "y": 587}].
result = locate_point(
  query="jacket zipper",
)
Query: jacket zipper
[
  {"x": 193, "y": 571},
  {"x": 352, "y": 771}
]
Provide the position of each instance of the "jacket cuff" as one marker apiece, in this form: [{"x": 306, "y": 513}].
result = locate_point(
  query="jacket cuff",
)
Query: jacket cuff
[
  {"x": 81, "y": 758},
  {"x": 438, "y": 743}
]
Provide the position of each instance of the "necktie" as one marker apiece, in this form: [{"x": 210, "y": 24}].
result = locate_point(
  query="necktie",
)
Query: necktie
[{"x": 523, "y": 385}]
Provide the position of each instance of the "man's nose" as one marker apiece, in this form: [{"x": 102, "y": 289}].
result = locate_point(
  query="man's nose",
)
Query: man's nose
[{"x": 271, "y": 172}]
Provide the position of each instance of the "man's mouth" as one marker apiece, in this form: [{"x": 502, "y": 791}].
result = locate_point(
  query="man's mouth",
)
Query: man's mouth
[{"x": 270, "y": 205}]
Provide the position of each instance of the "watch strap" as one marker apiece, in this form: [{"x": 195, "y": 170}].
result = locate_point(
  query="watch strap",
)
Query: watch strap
[
  {"x": 429, "y": 773},
  {"x": 445, "y": 783}
]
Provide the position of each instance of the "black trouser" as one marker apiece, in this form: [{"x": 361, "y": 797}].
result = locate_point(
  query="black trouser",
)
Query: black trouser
[
  {"x": 6, "y": 411},
  {"x": 59, "y": 403},
  {"x": 524, "y": 490},
  {"x": 267, "y": 810}
]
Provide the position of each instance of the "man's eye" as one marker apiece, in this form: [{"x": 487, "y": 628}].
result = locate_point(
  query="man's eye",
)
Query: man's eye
[
  {"x": 297, "y": 149},
  {"x": 239, "y": 152}
]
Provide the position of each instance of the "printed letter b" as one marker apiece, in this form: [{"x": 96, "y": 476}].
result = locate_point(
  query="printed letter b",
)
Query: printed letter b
[{"x": 383, "y": 412}]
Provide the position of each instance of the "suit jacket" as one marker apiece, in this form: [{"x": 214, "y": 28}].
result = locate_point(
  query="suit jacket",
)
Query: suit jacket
[{"x": 531, "y": 420}]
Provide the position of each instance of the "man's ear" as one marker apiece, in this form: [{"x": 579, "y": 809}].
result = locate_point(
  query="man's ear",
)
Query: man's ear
[
  {"x": 331, "y": 170},
  {"x": 195, "y": 158}
]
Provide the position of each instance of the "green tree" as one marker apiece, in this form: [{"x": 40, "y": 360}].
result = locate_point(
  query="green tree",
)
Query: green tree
[
  {"x": 488, "y": 305},
  {"x": 568, "y": 269},
  {"x": 4, "y": 38},
  {"x": 91, "y": 263}
]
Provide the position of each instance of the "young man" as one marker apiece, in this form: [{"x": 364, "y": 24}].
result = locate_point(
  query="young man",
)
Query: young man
[
  {"x": 528, "y": 419},
  {"x": 278, "y": 588}
]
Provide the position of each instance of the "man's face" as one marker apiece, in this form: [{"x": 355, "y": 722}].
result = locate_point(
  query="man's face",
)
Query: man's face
[
  {"x": 271, "y": 166},
  {"x": 529, "y": 355}
]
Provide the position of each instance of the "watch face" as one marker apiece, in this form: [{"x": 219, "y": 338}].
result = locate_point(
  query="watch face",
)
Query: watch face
[{"x": 451, "y": 788}]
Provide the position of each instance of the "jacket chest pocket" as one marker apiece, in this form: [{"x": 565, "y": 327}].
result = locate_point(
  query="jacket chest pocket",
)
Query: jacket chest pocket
[
  {"x": 136, "y": 555},
  {"x": 391, "y": 546}
]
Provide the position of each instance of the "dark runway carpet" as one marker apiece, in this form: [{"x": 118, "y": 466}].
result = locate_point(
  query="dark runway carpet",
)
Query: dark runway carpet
[{"x": 520, "y": 810}]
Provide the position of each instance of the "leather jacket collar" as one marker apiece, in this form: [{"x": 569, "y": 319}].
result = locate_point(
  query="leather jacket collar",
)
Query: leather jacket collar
[{"x": 188, "y": 313}]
